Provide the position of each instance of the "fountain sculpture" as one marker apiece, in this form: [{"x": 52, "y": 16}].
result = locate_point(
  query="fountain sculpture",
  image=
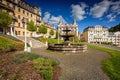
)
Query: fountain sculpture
[{"x": 66, "y": 46}]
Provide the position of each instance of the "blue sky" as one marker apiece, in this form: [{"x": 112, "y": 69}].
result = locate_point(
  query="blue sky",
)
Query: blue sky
[{"x": 86, "y": 12}]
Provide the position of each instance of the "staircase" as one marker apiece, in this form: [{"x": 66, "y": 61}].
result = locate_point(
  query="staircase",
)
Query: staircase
[{"x": 35, "y": 43}]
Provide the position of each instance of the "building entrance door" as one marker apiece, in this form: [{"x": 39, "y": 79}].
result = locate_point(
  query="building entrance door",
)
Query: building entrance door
[{"x": 1, "y": 30}]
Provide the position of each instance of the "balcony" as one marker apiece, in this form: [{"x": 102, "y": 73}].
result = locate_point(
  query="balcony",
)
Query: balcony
[
  {"x": 6, "y": 7},
  {"x": 38, "y": 20}
]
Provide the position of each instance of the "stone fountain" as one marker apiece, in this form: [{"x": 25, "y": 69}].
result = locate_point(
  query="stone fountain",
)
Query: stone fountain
[{"x": 66, "y": 46}]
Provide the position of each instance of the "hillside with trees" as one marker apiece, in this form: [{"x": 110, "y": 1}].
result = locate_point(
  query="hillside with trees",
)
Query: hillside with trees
[{"x": 115, "y": 28}]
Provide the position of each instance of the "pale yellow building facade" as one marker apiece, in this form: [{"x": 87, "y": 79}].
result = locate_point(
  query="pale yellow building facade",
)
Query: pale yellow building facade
[{"x": 19, "y": 10}]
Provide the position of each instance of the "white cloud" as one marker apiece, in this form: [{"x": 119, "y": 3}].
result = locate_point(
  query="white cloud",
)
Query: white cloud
[
  {"x": 114, "y": 11},
  {"x": 99, "y": 9},
  {"x": 78, "y": 11},
  {"x": 56, "y": 20},
  {"x": 48, "y": 18},
  {"x": 83, "y": 5},
  {"x": 62, "y": 19},
  {"x": 115, "y": 7},
  {"x": 111, "y": 17}
]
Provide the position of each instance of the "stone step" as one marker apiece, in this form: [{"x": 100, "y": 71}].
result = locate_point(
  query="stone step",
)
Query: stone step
[{"x": 35, "y": 43}]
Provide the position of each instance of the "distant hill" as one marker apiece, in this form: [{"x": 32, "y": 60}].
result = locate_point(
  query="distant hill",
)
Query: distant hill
[{"x": 115, "y": 28}]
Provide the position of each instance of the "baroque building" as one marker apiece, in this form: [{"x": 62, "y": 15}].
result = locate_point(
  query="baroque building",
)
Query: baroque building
[
  {"x": 95, "y": 34},
  {"x": 19, "y": 10},
  {"x": 73, "y": 27}
]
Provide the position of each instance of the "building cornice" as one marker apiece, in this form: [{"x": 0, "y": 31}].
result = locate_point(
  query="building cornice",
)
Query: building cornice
[
  {"x": 24, "y": 5},
  {"x": 6, "y": 7}
]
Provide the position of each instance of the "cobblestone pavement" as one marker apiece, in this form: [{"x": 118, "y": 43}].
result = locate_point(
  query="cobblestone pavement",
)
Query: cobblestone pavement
[{"x": 78, "y": 66}]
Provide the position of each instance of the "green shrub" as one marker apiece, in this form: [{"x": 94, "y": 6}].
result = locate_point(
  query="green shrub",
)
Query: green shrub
[
  {"x": 19, "y": 47},
  {"x": 21, "y": 58},
  {"x": 107, "y": 43},
  {"x": 38, "y": 63},
  {"x": 47, "y": 74},
  {"x": 44, "y": 62},
  {"x": 54, "y": 63},
  {"x": 45, "y": 65}
]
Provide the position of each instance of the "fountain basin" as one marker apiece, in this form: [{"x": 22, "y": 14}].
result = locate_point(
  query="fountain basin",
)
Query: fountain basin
[{"x": 74, "y": 48}]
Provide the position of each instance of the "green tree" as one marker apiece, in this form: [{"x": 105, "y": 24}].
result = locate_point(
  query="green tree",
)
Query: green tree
[
  {"x": 5, "y": 19},
  {"x": 51, "y": 32},
  {"x": 42, "y": 29},
  {"x": 31, "y": 26},
  {"x": 115, "y": 28}
]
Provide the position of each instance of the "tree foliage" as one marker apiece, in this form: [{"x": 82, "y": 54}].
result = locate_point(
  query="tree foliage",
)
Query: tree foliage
[
  {"x": 115, "y": 28},
  {"x": 42, "y": 29},
  {"x": 51, "y": 32},
  {"x": 31, "y": 26},
  {"x": 5, "y": 19}
]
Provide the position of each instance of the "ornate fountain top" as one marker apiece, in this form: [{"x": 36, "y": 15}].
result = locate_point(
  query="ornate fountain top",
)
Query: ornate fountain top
[{"x": 66, "y": 36}]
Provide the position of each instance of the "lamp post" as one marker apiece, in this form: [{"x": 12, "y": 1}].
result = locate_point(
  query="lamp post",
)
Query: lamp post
[
  {"x": 58, "y": 37},
  {"x": 25, "y": 46}
]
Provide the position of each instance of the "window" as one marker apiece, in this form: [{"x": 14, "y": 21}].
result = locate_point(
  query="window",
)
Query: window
[
  {"x": 18, "y": 24},
  {"x": 1, "y": 30},
  {"x": 19, "y": 16},
  {"x": 23, "y": 33},
  {"x": 18, "y": 32},
  {"x": 23, "y": 25},
  {"x": 19, "y": 9},
  {"x": 27, "y": 14},
  {"x": 8, "y": 4},
  {"x": 14, "y": 7},
  {"x": 23, "y": 12}
]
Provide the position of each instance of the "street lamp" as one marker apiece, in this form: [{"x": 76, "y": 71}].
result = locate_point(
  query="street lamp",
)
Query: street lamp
[
  {"x": 25, "y": 20},
  {"x": 58, "y": 37}
]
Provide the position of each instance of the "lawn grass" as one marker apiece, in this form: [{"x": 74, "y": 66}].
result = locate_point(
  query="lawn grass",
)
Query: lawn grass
[
  {"x": 8, "y": 44},
  {"x": 50, "y": 40},
  {"x": 11, "y": 37},
  {"x": 111, "y": 65}
]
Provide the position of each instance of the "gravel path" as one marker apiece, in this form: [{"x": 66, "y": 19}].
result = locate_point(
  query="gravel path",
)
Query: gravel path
[{"x": 80, "y": 66}]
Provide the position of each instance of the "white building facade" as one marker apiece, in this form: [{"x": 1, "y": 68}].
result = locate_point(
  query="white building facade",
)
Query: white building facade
[
  {"x": 114, "y": 37},
  {"x": 96, "y": 34}
]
